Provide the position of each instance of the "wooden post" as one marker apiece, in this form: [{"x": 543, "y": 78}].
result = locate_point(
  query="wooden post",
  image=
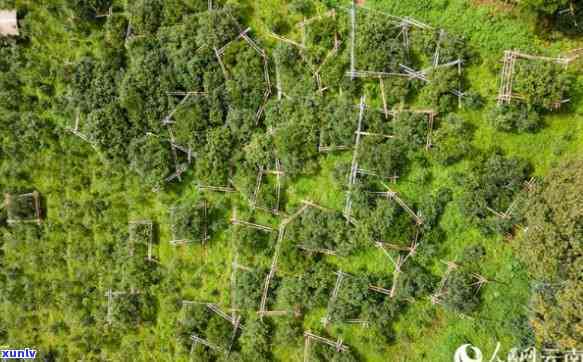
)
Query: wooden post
[
  {"x": 339, "y": 278},
  {"x": 271, "y": 273},
  {"x": 353, "y": 39},
  {"x": 354, "y": 167},
  {"x": 385, "y": 108}
]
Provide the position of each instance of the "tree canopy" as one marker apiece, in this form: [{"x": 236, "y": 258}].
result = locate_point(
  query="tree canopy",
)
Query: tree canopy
[{"x": 551, "y": 247}]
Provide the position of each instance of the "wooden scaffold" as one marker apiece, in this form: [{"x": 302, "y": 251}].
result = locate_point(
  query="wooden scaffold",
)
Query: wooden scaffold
[
  {"x": 392, "y": 195},
  {"x": 355, "y": 170},
  {"x": 23, "y": 208},
  {"x": 236, "y": 221},
  {"x": 148, "y": 229},
  {"x": 176, "y": 240},
  {"x": 398, "y": 263},
  {"x": 273, "y": 268},
  {"x": 340, "y": 276},
  {"x": 325, "y": 148},
  {"x": 529, "y": 186},
  {"x": 339, "y": 346},
  {"x": 262, "y": 53},
  {"x": 436, "y": 297},
  {"x": 405, "y": 23},
  {"x": 411, "y": 249},
  {"x": 279, "y": 174},
  {"x": 224, "y": 189},
  {"x": 354, "y": 166},
  {"x": 76, "y": 130},
  {"x": 422, "y": 75},
  {"x": 315, "y": 69},
  {"x": 168, "y": 121},
  {"x": 234, "y": 320},
  {"x": 110, "y": 294},
  {"x": 311, "y": 250},
  {"x": 506, "y": 93},
  {"x": 429, "y": 113}
]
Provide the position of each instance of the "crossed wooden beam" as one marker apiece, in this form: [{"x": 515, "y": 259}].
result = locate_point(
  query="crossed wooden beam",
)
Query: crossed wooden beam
[
  {"x": 339, "y": 345},
  {"x": 234, "y": 320},
  {"x": 506, "y": 94}
]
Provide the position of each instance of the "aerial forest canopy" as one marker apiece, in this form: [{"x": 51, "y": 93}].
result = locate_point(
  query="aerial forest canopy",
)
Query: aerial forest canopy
[
  {"x": 236, "y": 180},
  {"x": 551, "y": 246}
]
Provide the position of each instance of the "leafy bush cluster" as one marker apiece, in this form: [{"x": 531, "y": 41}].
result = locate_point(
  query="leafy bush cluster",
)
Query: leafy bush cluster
[{"x": 551, "y": 248}]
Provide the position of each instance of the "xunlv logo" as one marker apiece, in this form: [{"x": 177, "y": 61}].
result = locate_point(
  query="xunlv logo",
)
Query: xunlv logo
[{"x": 18, "y": 353}]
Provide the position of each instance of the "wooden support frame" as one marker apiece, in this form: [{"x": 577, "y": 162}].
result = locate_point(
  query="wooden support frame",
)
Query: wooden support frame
[
  {"x": 422, "y": 75},
  {"x": 438, "y": 294},
  {"x": 505, "y": 93},
  {"x": 356, "y": 170},
  {"x": 279, "y": 174},
  {"x": 224, "y": 189},
  {"x": 430, "y": 113},
  {"x": 149, "y": 226},
  {"x": 340, "y": 275},
  {"x": 392, "y": 179},
  {"x": 374, "y": 74},
  {"x": 272, "y": 270},
  {"x": 353, "y": 40},
  {"x": 399, "y": 262},
  {"x": 354, "y": 166},
  {"x": 506, "y": 215},
  {"x": 76, "y": 131},
  {"x": 234, "y": 320},
  {"x": 285, "y": 40},
  {"x": 480, "y": 281},
  {"x": 275, "y": 313},
  {"x": 222, "y": 50},
  {"x": 262, "y": 53},
  {"x": 390, "y": 194},
  {"x": 322, "y": 148},
  {"x": 35, "y": 203},
  {"x": 309, "y": 337},
  {"x": 278, "y": 177},
  {"x": 317, "y": 250},
  {"x": 316, "y": 70},
  {"x": 176, "y": 240},
  {"x": 167, "y": 121},
  {"x": 328, "y": 14},
  {"x": 311, "y": 204},
  {"x": 236, "y": 221},
  {"x": 405, "y": 24},
  {"x": 110, "y": 294},
  {"x": 381, "y": 290},
  {"x": 252, "y": 225},
  {"x": 278, "y": 85},
  {"x": 196, "y": 339},
  {"x": 221, "y": 64}
]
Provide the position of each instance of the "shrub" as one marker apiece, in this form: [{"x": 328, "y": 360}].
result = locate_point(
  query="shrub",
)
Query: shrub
[
  {"x": 551, "y": 248},
  {"x": 515, "y": 118},
  {"x": 452, "y": 141}
]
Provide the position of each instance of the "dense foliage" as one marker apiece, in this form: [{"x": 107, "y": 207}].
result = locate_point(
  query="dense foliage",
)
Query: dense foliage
[
  {"x": 551, "y": 247},
  {"x": 236, "y": 148},
  {"x": 492, "y": 191}
]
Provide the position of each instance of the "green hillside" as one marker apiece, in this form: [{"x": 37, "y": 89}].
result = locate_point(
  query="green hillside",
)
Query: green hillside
[{"x": 216, "y": 169}]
